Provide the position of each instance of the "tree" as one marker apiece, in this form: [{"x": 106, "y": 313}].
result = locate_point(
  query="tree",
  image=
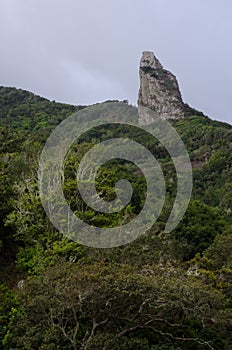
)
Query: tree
[
  {"x": 83, "y": 307},
  {"x": 198, "y": 228}
]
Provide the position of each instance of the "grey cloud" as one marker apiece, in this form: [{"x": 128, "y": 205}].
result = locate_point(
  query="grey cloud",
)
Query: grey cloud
[{"x": 86, "y": 52}]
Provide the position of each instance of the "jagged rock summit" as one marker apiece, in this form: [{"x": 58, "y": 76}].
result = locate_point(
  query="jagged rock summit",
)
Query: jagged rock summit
[{"x": 159, "y": 90}]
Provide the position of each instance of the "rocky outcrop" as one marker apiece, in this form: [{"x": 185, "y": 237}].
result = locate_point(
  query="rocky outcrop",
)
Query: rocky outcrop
[{"x": 158, "y": 91}]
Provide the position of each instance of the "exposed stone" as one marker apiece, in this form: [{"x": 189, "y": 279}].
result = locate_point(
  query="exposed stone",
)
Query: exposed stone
[
  {"x": 21, "y": 283},
  {"x": 158, "y": 91}
]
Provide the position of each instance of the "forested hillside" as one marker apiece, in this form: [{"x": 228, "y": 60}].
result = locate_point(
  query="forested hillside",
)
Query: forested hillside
[{"x": 162, "y": 291}]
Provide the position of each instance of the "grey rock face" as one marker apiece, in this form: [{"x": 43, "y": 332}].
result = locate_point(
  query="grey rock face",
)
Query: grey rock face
[{"x": 159, "y": 91}]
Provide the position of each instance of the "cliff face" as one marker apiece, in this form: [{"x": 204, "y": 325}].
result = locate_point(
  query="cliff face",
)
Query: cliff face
[{"x": 159, "y": 90}]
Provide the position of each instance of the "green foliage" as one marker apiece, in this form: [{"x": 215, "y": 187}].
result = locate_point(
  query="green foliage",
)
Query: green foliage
[
  {"x": 84, "y": 307},
  {"x": 220, "y": 250},
  {"x": 23, "y": 110},
  {"x": 8, "y": 303},
  {"x": 145, "y": 295},
  {"x": 198, "y": 228}
]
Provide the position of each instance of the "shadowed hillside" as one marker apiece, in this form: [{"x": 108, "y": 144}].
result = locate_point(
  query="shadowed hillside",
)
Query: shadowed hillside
[{"x": 160, "y": 292}]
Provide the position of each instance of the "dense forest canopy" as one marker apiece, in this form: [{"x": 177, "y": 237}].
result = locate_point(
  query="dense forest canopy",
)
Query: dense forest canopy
[{"x": 162, "y": 291}]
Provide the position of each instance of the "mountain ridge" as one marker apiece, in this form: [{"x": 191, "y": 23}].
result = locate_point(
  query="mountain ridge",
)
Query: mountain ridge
[
  {"x": 178, "y": 284},
  {"x": 12, "y": 101}
]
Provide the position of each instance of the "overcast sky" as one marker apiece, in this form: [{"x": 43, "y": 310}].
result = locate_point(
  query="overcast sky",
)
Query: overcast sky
[{"x": 88, "y": 51}]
